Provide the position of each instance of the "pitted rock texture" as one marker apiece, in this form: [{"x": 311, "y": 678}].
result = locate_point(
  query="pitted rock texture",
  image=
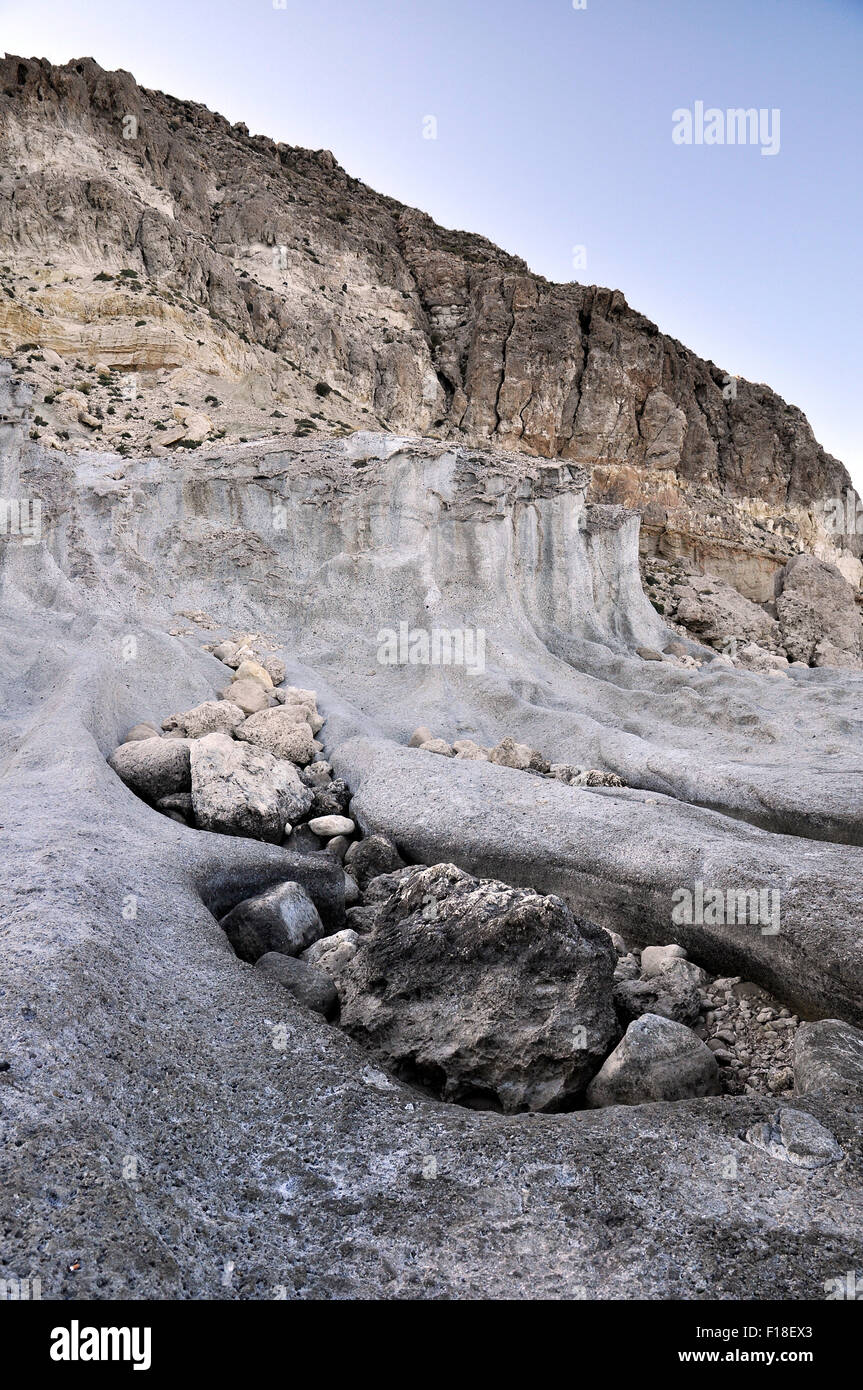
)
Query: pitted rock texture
[
  {"x": 240, "y": 789},
  {"x": 492, "y": 996}
]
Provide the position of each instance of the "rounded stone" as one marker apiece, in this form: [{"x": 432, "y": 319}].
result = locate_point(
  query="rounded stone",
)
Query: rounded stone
[{"x": 329, "y": 826}]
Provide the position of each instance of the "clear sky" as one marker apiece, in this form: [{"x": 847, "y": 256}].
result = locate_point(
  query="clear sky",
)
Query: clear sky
[{"x": 554, "y": 131}]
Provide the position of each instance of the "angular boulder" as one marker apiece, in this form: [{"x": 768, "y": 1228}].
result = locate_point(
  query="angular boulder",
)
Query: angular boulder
[
  {"x": 239, "y": 789},
  {"x": 278, "y": 731},
  {"x": 254, "y": 671},
  {"x": 332, "y": 953},
  {"x": 818, "y": 615},
  {"x": 211, "y": 717},
  {"x": 249, "y": 695},
  {"x": 657, "y": 1059},
  {"x": 674, "y": 991},
  {"x": 508, "y": 753},
  {"x": 828, "y": 1056},
  {"x": 283, "y": 919},
  {"x": 492, "y": 996}
]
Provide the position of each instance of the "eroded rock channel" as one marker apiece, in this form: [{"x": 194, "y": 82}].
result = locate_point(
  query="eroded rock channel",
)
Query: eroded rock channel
[{"x": 474, "y": 991}]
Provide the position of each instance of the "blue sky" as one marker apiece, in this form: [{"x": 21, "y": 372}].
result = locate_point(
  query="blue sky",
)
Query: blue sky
[{"x": 554, "y": 131}]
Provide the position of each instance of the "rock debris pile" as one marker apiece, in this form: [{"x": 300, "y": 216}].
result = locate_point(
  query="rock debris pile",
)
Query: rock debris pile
[{"x": 477, "y": 992}]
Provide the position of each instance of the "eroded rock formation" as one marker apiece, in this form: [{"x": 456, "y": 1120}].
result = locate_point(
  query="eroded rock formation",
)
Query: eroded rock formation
[{"x": 170, "y": 279}]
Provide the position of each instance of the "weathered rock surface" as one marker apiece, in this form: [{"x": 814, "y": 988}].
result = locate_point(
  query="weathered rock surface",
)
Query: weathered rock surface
[
  {"x": 793, "y": 1136},
  {"x": 250, "y": 1111},
  {"x": 279, "y": 731},
  {"x": 657, "y": 1059},
  {"x": 620, "y": 857},
  {"x": 196, "y": 252},
  {"x": 488, "y": 995},
  {"x": 153, "y": 767},
  {"x": 308, "y": 985},
  {"x": 239, "y": 789},
  {"x": 818, "y": 616},
  {"x": 211, "y": 717},
  {"x": 283, "y": 919},
  {"x": 828, "y": 1056}
]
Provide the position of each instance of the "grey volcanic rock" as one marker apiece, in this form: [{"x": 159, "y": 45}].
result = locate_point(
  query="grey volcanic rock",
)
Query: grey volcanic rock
[
  {"x": 369, "y": 858},
  {"x": 211, "y": 717},
  {"x": 282, "y": 919},
  {"x": 657, "y": 1059},
  {"x": 141, "y": 1034},
  {"x": 305, "y": 982},
  {"x": 488, "y": 995},
  {"x": 828, "y": 1056},
  {"x": 153, "y": 767},
  {"x": 619, "y": 857},
  {"x": 331, "y": 799},
  {"x": 672, "y": 992},
  {"x": 242, "y": 790},
  {"x": 709, "y": 607},
  {"x": 282, "y": 734},
  {"x": 818, "y": 616}
]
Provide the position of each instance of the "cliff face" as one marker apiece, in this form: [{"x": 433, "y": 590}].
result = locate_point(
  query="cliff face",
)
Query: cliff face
[{"x": 167, "y": 278}]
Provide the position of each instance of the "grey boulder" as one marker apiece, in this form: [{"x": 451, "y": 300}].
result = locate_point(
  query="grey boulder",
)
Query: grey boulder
[
  {"x": 242, "y": 790},
  {"x": 828, "y": 1056},
  {"x": 671, "y": 992},
  {"x": 657, "y": 1059},
  {"x": 153, "y": 767},
  {"x": 282, "y": 919},
  {"x": 492, "y": 996},
  {"x": 366, "y": 859}
]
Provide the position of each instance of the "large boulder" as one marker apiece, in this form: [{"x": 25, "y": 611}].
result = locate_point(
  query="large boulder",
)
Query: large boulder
[
  {"x": 489, "y": 995},
  {"x": 818, "y": 615},
  {"x": 212, "y": 717},
  {"x": 153, "y": 767},
  {"x": 281, "y": 734},
  {"x": 717, "y": 614},
  {"x": 828, "y": 1056},
  {"x": 657, "y": 1059},
  {"x": 243, "y": 790},
  {"x": 282, "y": 919}
]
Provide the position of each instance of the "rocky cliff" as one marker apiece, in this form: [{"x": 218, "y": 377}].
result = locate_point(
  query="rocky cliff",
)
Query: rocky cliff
[{"x": 168, "y": 278}]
